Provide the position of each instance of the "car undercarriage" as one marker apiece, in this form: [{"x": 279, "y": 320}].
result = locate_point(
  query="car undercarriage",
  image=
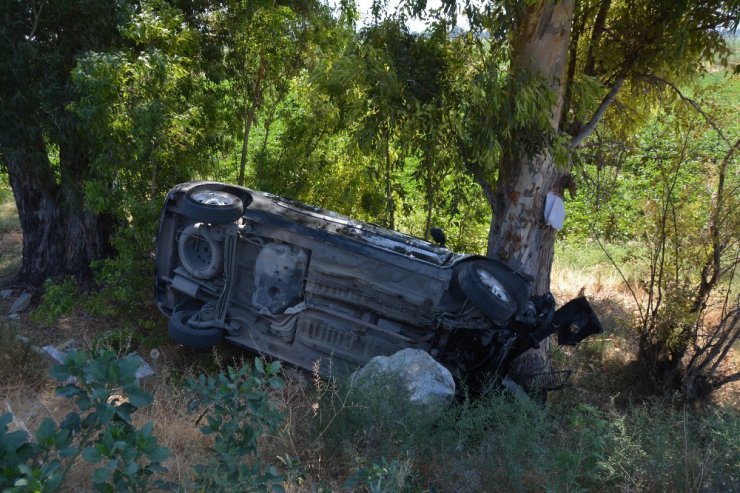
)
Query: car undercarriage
[{"x": 326, "y": 293}]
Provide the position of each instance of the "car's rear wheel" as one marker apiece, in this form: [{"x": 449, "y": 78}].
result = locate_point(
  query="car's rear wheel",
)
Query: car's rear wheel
[
  {"x": 212, "y": 206},
  {"x": 194, "y": 337},
  {"x": 489, "y": 287}
]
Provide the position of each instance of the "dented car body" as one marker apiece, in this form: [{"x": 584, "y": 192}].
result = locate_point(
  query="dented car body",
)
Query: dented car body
[{"x": 321, "y": 291}]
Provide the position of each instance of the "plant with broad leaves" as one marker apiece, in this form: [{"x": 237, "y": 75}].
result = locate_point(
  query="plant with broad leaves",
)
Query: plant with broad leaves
[
  {"x": 106, "y": 392},
  {"x": 237, "y": 412}
]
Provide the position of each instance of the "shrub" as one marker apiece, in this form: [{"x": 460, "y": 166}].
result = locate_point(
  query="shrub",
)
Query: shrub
[
  {"x": 59, "y": 298},
  {"x": 237, "y": 413},
  {"x": 106, "y": 393}
]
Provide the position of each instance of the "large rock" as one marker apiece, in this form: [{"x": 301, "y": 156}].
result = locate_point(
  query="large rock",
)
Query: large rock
[{"x": 414, "y": 372}]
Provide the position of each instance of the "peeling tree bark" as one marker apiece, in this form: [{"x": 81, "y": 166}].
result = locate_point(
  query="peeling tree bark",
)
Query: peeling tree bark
[{"x": 518, "y": 233}]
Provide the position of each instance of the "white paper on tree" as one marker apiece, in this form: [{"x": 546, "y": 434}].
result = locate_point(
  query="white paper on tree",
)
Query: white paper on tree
[{"x": 554, "y": 210}]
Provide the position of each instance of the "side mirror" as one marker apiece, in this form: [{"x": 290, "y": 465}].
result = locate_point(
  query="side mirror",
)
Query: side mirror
[{"x": 575, "y": 321}]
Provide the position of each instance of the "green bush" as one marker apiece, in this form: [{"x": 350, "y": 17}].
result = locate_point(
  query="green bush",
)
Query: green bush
[
  {"x": 237, "y": 414},
  {"x": 495, "y": 442},
  {"x": 384, "y": 476},
  {"x": 59, "y": 298},
  {"x": 658, "y": 446},
  {"x": 106, "y": 393}
]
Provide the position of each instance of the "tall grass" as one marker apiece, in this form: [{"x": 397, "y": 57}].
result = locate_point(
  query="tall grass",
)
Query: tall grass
[
  {"x": 498, "y": 443},
  {"x": 8, "y": 215}
]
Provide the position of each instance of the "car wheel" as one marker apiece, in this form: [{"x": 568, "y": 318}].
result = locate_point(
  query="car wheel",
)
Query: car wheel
[
  {"x": 486, "y": 286},
  {"x": 200, "y": 254},
  {"x": 212, "y": 206},
  {"x": 193, "y": 337}
]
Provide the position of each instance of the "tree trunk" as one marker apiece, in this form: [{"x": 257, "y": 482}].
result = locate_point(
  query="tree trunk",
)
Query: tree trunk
[
  {"x": 598, "y": 31},
  {"x": 250, "y": 109},
  {"x": 60, "y": 238},
  {"x": 430, "y": 209},
  {"x": 518, "y": 234},
  {"x": 387, "y": 177},
  {"x": 245, "y": 139}
]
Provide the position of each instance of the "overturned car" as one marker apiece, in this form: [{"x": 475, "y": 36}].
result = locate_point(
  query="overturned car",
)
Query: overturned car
[{"x": 319, "y": 290}]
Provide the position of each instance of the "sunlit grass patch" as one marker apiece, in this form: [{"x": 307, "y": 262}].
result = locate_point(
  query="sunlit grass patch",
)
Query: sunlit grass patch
[
  {"x": 594, "y": 270},
  {"x": 8, "y": 213},
  {"x": 10, "y": 235}
]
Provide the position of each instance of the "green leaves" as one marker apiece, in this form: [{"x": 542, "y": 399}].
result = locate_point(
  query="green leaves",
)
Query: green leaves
[
  {"x": 238, "y": 413},
  {"x": 107, "y": 392},
  {"x": 133, "y": 456}
]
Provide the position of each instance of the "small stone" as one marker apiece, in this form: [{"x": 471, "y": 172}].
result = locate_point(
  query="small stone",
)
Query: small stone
[
  {"x": 6, "y": 293},
  {"x": 21, "y": 304},
  {"x": 56, "y": 354}
]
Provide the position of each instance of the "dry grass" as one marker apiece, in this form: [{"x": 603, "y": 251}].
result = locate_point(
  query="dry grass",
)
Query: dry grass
[
  {"x": 586, "y": 270},
  {"x": 11, "y": 240},
  {"x": 11, "y": 244},
  {"x": 175, "y": 428}
]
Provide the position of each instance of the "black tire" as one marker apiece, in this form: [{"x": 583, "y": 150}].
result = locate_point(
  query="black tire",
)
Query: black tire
[
  {"x": 213, "y": 206},
  {"x": 189, "y": 336},
  {"x": 492, "y": 289}
]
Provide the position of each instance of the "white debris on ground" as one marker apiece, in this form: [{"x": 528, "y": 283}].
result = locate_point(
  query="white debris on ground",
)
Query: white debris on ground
[
  {"x": 59, "y": 353},
  {"x": 145, "y": 370},
  {"x": 21, "y": 304}
]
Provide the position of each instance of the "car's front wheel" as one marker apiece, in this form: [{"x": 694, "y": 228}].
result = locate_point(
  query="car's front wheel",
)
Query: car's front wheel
[
  {"x": 194, "y": 337},
  {"x": 489, "y": 288}
]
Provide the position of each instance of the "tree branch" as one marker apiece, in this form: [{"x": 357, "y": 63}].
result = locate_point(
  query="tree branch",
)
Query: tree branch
[
  {"x": 36, "y": 17},
  {"x": 728, "y": 379},
  {"x": 713, "y": 264},
  {"x": 643, "y": 317},
  {"x": 587, "y": 129},
  {"x": 691, "y": 102},
  {"x": 477, "y": 173},
  {"x": 726, "y": 341}
]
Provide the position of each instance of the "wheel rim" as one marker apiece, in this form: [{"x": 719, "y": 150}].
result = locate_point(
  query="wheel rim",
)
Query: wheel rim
[
  {"x": 211, "y": 197},
  {"x": 493, "y": 285}
]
